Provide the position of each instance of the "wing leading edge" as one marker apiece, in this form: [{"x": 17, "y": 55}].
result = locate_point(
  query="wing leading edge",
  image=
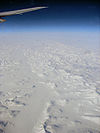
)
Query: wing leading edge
[{"x": 9, "y": 13}]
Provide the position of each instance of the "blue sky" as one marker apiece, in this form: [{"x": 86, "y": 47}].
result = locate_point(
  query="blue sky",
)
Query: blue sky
[{"x": 56, "y": 18}]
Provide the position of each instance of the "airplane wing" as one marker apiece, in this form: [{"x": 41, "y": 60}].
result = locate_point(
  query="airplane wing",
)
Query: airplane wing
[{"x": 9, "y": 13}]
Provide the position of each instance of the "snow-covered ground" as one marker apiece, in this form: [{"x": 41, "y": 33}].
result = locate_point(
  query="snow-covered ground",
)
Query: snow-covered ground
[{"x": 48, "y": 87}]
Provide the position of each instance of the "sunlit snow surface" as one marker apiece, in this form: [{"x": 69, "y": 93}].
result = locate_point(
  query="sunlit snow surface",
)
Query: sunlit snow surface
[{"x": 48, "y": 87}]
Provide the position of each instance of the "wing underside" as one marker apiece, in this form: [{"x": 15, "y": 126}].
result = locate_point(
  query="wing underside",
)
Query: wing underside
[{"x": 9, "y": 13}]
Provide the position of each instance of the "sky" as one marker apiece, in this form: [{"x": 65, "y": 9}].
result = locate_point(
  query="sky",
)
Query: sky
[{"x": 69, "y": 15}]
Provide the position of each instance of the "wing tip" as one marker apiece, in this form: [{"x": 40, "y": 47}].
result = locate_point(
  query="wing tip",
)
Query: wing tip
[{"x": 41, "y": 7}]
